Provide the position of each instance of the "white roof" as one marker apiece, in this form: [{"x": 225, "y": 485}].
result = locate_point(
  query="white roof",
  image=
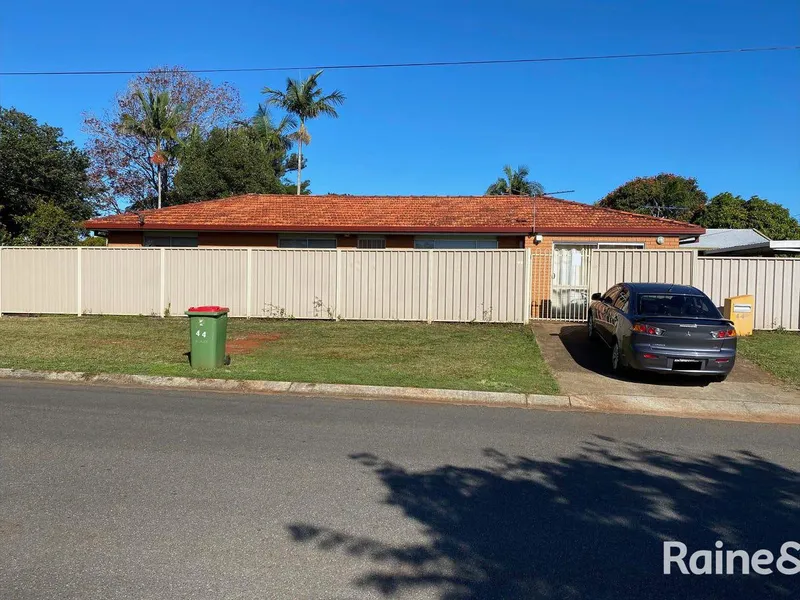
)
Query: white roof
[{"x": 718, "y": 239}]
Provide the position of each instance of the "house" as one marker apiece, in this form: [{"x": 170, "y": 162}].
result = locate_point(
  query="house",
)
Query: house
[
  {"x": 739, "y": 242},
  {"x": 375, "y": 222}
]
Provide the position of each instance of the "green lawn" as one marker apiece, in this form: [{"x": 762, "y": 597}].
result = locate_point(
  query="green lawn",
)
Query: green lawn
[
  {"x": 458, "y": 356},
  {"x": 775, "y": 351}
]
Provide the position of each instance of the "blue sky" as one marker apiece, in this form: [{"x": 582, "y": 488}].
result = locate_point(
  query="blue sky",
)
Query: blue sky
[{"x": 732, "y": 121}]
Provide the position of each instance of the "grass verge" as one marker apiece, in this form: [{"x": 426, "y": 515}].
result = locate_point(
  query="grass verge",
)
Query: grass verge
[
  {"x": 775, "y": 351},
  {"x": 457, "y": 356}
]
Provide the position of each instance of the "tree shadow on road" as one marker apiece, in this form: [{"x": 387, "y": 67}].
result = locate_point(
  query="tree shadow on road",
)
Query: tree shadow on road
[{"x": 585, "y": 526}]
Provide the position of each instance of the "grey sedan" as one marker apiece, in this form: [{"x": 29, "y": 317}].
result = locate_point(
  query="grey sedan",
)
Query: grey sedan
[{"x": 664, "y": 328}]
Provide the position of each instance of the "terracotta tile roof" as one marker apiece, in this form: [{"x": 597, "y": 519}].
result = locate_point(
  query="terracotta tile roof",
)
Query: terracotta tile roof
[{"x": 393, "y": 214}]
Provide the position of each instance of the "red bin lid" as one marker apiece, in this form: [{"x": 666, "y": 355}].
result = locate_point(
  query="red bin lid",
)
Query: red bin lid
[{"x": 208, "y": 309}]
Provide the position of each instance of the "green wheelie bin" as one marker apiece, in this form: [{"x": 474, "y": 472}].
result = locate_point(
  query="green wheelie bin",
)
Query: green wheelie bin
[{"x": 208, "y": 328}]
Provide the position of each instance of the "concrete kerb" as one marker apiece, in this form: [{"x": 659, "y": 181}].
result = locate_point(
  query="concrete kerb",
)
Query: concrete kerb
[{"x": 643, "y": 405}]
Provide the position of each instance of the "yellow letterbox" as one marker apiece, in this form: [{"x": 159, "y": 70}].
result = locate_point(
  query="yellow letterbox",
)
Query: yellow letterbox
[{"x": 741, "y": 310}]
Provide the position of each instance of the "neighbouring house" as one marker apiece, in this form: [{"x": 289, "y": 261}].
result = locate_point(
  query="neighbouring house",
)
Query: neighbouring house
[
  {"x": 375, "y": 222},
  {"x": 739, "y": 242}
]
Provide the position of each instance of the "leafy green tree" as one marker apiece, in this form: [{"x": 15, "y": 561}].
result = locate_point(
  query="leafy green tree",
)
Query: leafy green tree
[
  {"x": 772, "y": 219},
  {"x": 37, "y": 163},
  {"x": 665, "y": 195},
  {"x": 160, "y": 121},
  {"x": 93, "y": 240},
  {"x": 228, "y": 162},
  {"x": 48, "y": 225},
  {"x": 304, "y": 100},
  {"x": 515, "y": 183},
  {"x": 728, "y": 211},
  {"x": 724, "y": 211}
]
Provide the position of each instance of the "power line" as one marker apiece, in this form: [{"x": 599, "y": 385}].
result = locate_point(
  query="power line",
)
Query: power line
[{"x": 456, "y": 63}]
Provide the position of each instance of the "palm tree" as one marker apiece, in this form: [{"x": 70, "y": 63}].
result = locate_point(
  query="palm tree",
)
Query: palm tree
[
  {"x": 274, "y": 137},
  {"x": 159, "y": 122},
  {"x": 515, "y": 183},
  {"x": 305, "y": 100}
]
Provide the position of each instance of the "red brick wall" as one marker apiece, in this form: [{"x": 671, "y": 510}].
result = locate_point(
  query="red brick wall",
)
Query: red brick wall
[
  {"x": 400, "y": 241},
  {"x": 125, "y": 239},
  {"x": 347, "y": 241},
  {"x": 510, "y": 241}
]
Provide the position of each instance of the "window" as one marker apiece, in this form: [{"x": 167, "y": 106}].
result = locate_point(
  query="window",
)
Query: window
[
  {"x": 601, "y": 245},
  {"x": 611, "y": 295},
  {"x": 676, "y": 305},
  {"x": 306, "y": 242},
  {"x": 621, "y": 245},
  {"x": 371, "y": 242},
  {"x": 622, "y": 300},
  {"x": 454, "y": 243},
  {"x": 170, "y": 241}
]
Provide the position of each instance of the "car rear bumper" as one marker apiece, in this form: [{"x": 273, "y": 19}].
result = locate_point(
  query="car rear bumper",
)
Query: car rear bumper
[{"x": 685, "y": 362}]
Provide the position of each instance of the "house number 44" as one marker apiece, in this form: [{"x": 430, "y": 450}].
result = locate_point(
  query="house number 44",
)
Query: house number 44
[{"x": 198, "y": 334}]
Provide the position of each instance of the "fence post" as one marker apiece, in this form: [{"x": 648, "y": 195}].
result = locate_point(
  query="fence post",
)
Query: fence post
[
  {"x": 337, "y": 285},
  {"x": 249, "y": 288},
  {"x": 429, "y": 312},
  {"x": 1, "y": 281},
  {"x": 527, "y": 296},
  {"x": 162, "y": 292},
  {"x": 693, "y": 268},
  {"x": 80, "y": 282}
]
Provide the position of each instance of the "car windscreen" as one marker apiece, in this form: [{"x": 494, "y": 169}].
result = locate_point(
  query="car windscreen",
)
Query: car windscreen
[{"x": 676, "y": 305}]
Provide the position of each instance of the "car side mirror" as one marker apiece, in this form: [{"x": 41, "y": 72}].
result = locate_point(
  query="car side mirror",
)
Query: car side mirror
[{"x": 597, "y": 296}]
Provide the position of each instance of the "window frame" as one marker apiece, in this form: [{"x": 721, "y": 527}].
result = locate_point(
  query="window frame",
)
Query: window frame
[
  {"x": 307, "y": 238},
  {"x": 371, "y": 238},
  {"x": 602, "y": 245},
  {"x": 169, "y": 237},
  {"x": 421, "y": 242},
  {"x": 621, "y": 245}
]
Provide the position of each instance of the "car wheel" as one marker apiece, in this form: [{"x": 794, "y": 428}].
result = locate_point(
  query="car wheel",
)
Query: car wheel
[
  {"x": 617, "y": 364},
  {"x": 590, "y": 328}
]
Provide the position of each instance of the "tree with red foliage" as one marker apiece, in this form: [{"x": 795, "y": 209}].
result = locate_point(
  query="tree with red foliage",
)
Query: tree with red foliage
[{"x": 121, "y": 159}]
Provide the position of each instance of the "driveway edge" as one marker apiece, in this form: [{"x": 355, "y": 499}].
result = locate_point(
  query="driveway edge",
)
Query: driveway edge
[{"x": 762, "y": 412}]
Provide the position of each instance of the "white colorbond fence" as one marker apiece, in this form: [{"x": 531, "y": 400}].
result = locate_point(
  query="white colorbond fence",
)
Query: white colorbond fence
[
  {"x": 500, "y": 286},
  {"x": 409, "y": 285},
  {"x": 775, "y": 282}
]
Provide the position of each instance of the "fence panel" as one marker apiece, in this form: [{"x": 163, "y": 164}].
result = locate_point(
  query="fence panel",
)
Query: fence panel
[
  {"x": 293, "y": 283},
  {"x": 200, "y": 276},
  {"x": 610, "y": 267},
  {"x": 775, "y": 283},
  {"x": 39, "y": 280},
  {"x": 432, "y": 285},
  {"x": 121, "y": 281},
  {"x": 383, "y": 285},
  {"x": 478, "y": 285}
]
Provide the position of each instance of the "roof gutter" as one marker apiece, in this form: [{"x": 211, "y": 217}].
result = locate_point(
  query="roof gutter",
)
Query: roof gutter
[{"x": 386, "y": 229}]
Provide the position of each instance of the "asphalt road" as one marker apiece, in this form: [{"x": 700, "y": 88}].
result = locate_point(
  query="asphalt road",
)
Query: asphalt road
[{"x": 109, "y": 493}]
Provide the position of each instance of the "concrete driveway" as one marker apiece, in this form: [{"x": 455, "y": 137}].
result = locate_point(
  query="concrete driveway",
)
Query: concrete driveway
[{"x": 583, "y": 367}]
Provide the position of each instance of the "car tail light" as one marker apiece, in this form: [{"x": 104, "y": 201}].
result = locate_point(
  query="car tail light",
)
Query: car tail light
[
  {"x": 724, "y": 333},
  {"x": 648, "y": 329},
  {"x": 722, "y": 360},
  {"x": 648, "y": 355}
]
